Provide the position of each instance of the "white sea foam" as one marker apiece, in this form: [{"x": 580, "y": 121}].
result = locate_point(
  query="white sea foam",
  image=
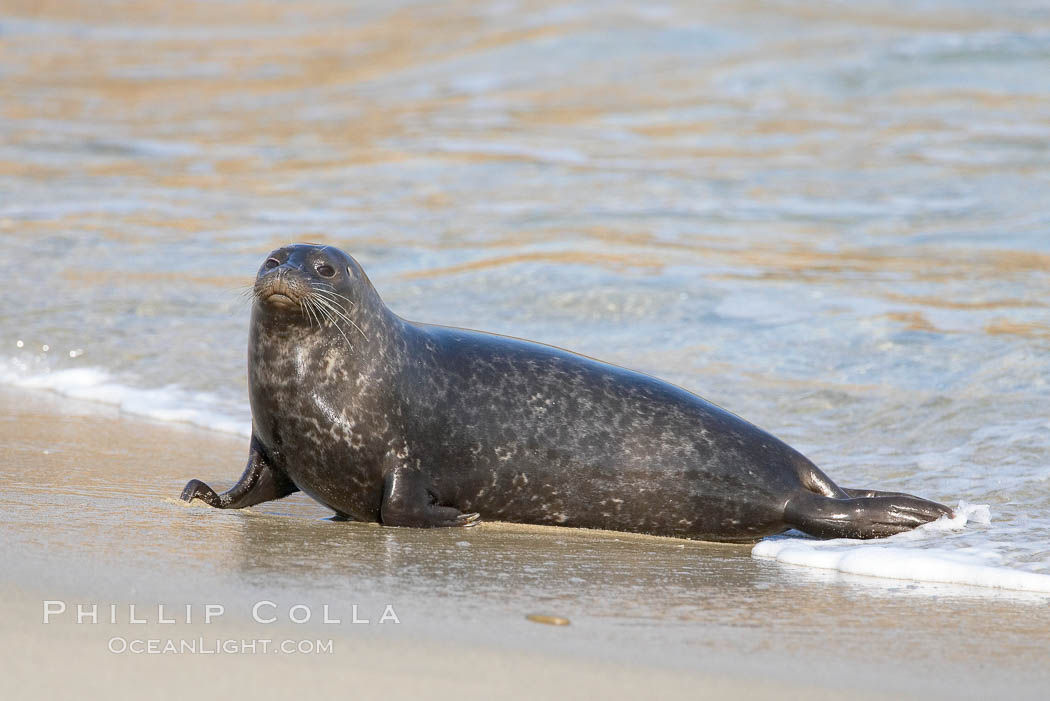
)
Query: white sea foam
[
  {"x": 913, "y": 555},
  {"x": 171, "y": 403}
]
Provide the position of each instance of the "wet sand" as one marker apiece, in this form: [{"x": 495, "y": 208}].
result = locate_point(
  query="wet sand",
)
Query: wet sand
[
  {"x": 90, "y": 516},
  {"x": 75, "y": 659}
]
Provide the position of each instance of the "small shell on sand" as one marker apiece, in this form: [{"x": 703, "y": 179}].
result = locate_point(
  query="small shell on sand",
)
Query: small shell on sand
[{"x": 548, "y": 620}]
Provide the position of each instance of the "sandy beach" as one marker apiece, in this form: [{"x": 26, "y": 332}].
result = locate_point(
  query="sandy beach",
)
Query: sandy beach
[{"x": 647, "y": 615}]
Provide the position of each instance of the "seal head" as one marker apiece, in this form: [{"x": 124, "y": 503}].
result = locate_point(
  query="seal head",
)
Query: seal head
[{"x": 310, "y": 284}]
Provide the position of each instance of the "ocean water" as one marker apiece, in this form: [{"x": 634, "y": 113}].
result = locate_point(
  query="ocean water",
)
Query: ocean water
[{"x": 828, "y": 217}]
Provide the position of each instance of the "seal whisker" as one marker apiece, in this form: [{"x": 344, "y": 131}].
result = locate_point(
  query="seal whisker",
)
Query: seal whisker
[
  {"x": 336, "y": 299},
  {"x": 331, "y": 297},
  {"x": 314, "y": 311},
  {"x": 347, "y": 319},
  {"x": 341, "y": 313},
  {"x": 311, "y": 306},
  {"x": 337, "y": 313},
  {"x": 343, "y": 334},
  {"x": 244, "y": 293},
  {"x": 330, "y": 289},
  {"x": 306, "y": 310},
  {"x": 321, "y": 313},
  {"x": 324, "y": 317},
  {"x": 329, "y": 316}
]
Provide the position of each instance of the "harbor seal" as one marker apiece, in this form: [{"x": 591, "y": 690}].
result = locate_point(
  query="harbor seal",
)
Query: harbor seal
[{"x": 409, "y": 424}]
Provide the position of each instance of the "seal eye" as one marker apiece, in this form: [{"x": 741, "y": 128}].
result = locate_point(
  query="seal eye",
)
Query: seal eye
[
  {"x": 271, "y": 263},
  {"x": 326, "y": 271}
]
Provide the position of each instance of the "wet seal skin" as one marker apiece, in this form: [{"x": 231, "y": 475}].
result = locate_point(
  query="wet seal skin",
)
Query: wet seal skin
[{"x": 408, "y": 424}]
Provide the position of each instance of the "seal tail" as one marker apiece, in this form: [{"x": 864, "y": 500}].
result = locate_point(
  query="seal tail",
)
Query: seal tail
[{"x": 870, "y": 515}]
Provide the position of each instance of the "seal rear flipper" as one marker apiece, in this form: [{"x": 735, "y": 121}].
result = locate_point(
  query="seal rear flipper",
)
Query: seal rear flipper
[
  {"x": 860, "y": 517},
  {"x": 260, "y": 482},
  {"x": 408, "y": 502}
]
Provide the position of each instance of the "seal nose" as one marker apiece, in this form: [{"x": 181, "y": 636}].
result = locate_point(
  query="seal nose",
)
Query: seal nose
[{"x": 282, "y": 286}]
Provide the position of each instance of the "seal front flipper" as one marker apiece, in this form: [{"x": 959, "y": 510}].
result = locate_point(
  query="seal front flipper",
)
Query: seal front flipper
[
  {"x": 408, "y": 502},
  {"x": 860, "y": 517},
  {"x": 260, "y": 482}
]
